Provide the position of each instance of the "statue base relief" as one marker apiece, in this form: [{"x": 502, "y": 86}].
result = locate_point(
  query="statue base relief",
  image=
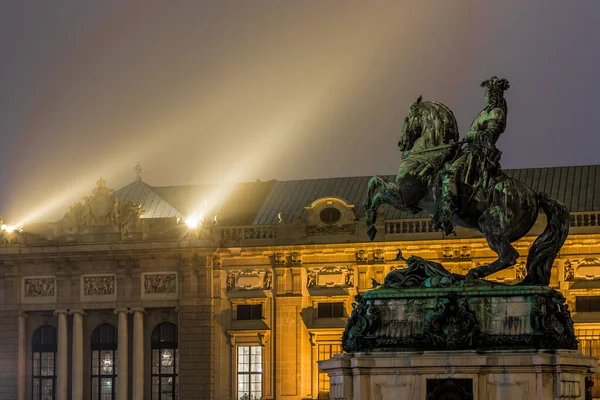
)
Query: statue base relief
[{"x": 459, "y": 375}]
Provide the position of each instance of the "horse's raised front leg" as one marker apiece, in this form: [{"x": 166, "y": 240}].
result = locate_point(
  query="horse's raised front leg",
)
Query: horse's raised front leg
[
  {"x": 389, "y": 194},
  {"x": 374, "y": 184}
]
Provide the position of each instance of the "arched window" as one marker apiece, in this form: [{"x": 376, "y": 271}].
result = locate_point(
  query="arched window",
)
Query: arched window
[
  {"x": 44, "y": 363},
  {"x": 104, "y": 362},
  {"x": 165, "y": 361}
]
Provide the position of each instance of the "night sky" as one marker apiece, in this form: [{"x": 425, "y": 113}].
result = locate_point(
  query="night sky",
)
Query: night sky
[{"x": 202, "y": 92}]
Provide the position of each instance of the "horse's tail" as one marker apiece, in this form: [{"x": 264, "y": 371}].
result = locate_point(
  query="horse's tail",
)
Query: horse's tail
[{"x": 545, "y": 248}]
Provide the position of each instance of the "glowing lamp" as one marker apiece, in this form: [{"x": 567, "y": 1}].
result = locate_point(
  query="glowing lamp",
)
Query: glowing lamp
[
  {"x": 192, "y": 222},
  {"x": 8, "y": 228}
]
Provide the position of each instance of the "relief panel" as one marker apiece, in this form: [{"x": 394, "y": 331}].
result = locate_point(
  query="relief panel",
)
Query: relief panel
[
  {"x": 159, "y": 285},
  {"x": 98, "y": 287},
  {"x": 329, "y": 277},
  {"x": 38, "y": 289}
]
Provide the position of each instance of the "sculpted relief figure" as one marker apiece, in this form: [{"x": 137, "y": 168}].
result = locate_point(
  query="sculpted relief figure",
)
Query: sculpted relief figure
[
  {"x": 98, "y": 285},
  {"x": 160, "y": 283},
  {"x": 39, "y": 287},
  {"x": 465, "y": 186},
  {"x": 102, "y": 208}
]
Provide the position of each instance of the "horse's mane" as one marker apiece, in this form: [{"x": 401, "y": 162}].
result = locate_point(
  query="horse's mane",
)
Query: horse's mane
[{"x": 441, "y": 122}]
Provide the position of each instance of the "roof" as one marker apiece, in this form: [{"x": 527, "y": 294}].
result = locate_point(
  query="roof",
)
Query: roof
[
  {"x": 152, "y": 203},
  {"x": 260, "y": 202}
]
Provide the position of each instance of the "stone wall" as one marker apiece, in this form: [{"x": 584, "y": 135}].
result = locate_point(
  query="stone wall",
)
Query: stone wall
[
  {"x": 196, "y": 374},
  {"x": 8, "y": 354}
]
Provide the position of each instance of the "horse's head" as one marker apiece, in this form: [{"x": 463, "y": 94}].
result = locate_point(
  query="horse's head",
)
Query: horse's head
[
  {"x": 431, "y": 121},
  {"x": 412, "y": 128}
]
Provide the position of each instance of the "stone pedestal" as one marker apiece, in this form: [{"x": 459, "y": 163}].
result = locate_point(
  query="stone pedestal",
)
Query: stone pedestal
[{"x": 464, "y": 375}]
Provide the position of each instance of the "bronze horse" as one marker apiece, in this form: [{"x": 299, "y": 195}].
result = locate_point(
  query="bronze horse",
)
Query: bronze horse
[{"x": 504, "y": 211}]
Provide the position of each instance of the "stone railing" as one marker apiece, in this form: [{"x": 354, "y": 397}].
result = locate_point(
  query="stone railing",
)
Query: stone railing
[
  {"x": 585, "y": 219},
  {"x": 248, "y": 232},
  {"x": 403, "y": 226}
]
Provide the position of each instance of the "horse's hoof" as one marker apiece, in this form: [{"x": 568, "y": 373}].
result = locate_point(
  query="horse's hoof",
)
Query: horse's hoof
[
  {"x": 471, "y": 276},
  {"x": 371, "y": 232}
]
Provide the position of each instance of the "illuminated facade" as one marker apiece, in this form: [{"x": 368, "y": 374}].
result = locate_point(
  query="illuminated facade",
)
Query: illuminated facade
[{"x": 106, "y": 305}]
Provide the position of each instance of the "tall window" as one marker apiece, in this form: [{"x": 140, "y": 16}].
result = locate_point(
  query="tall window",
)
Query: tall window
[
  {"x": 44, "y": 363},
  {"x": 326, "y": 351},
  {"x": 589, "y": 345},
  {"x": 249, "y": 372},
  {"x": 165, "y": 361},
  {"x": 104, "y": 362}
]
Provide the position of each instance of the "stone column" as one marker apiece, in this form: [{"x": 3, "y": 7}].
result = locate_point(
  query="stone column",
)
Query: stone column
[
  {"x": 21, "y": 361},
  {"x": 122, "y": 358},
  {"x": 62, "y": 377},
  {"x": 77, "y": 354},
  {"x": 138, "y": 354}
]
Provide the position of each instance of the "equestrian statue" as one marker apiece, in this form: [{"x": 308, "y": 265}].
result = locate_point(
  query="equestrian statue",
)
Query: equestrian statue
[{"x": 460, "y": 182}]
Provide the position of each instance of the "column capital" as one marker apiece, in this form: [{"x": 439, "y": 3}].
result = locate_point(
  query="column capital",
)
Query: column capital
[
  {"x": 22, "y": 313},
  {"x": 61, "y": 312},
  {"x": 133, "y": 310},
  {"x": 73, "y": 312},
  {"x": 121, "y": 310}
]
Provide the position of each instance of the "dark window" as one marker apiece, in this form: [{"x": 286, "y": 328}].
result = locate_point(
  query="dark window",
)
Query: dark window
[
  {"x": 253, "y": 311},
  {"x": 331, "y": 310},
  {"x": 44, "y": 363},
  {"x": 165, "y": 361},
  {"x": 587, "y": 303},
  {"x": 330, "y": 215},
  {"x": 104, "y": 362}
]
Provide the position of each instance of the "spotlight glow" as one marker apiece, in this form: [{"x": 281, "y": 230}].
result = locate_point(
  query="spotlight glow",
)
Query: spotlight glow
[
  {"x": 193, "y": 222},
  {"x": 8, "y": 228}
]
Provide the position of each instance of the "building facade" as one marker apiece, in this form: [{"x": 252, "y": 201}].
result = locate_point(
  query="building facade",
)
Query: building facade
[{"x": 121, "y": 299}]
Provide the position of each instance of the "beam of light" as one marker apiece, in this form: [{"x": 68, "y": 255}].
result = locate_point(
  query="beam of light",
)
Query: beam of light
[
  {"x": 282, "y": 128},
  {"x": 59, "y": 203}
]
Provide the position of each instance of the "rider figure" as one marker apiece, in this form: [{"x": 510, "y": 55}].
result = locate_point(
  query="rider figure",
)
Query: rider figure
[{"x": 478, "y": 161}]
